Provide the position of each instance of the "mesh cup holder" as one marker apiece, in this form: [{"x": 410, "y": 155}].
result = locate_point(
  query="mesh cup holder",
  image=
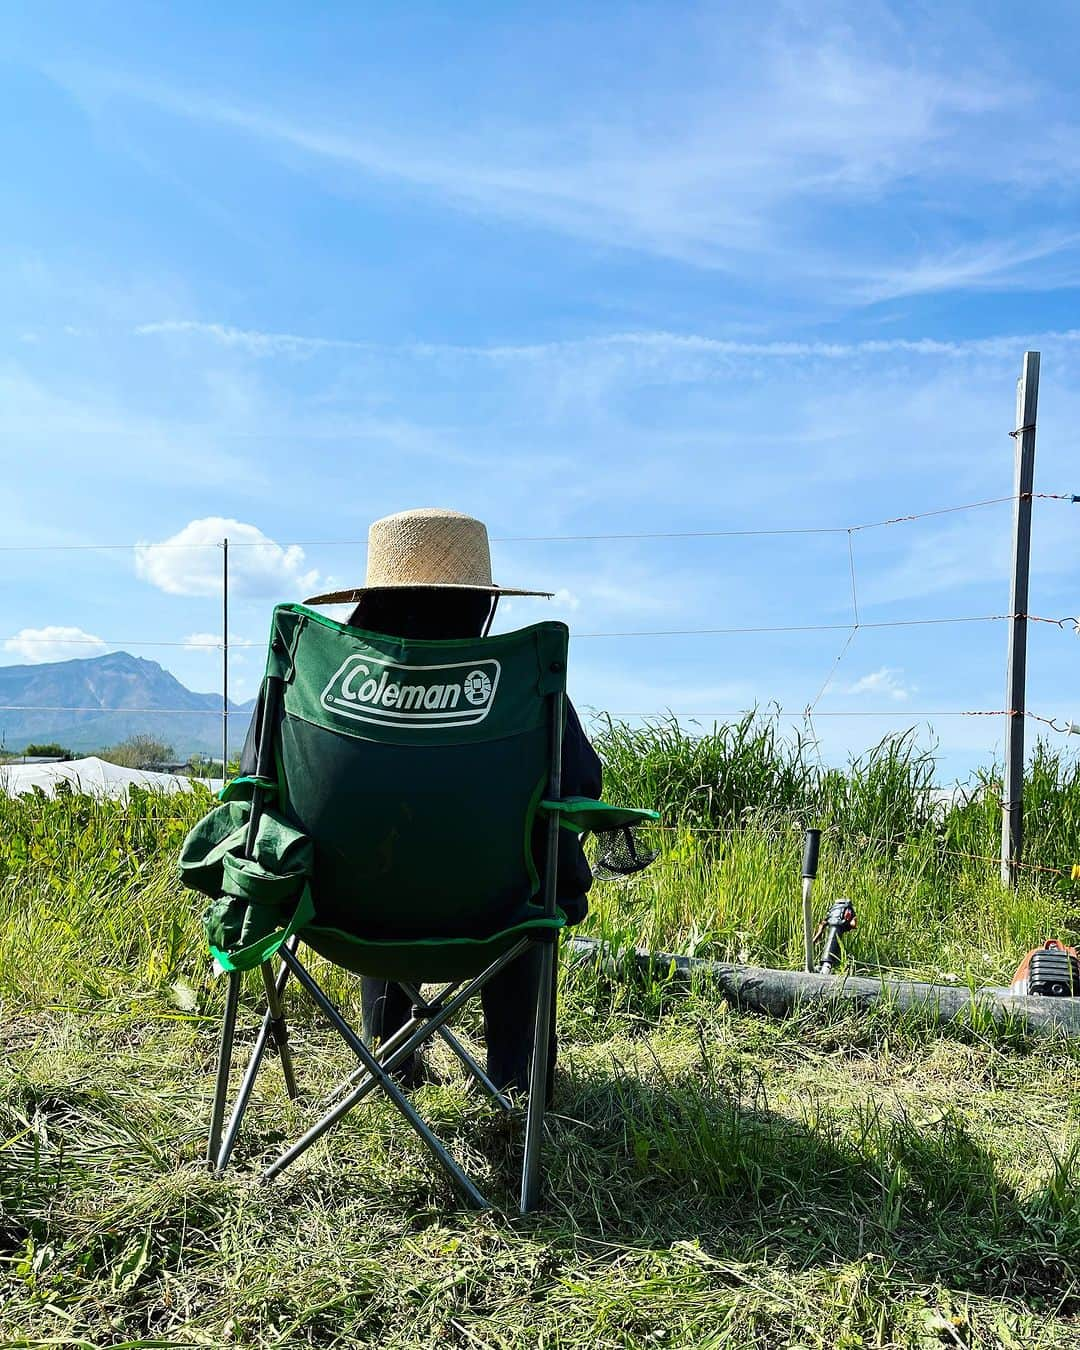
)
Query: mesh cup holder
[{"x": 619, "y": 853}]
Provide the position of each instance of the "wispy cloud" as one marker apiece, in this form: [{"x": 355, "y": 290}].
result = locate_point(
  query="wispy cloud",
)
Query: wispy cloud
[
  {"x": 56, "y": 421},
  {"x": 248, "y": 340},
  {"x": 658, "y": 345},
  {"x": 998, "y": 264},
  {"x": 741, "y": 163}
]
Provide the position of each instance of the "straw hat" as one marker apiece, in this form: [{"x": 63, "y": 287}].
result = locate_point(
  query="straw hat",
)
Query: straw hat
[{"x": 428, "y": 547}]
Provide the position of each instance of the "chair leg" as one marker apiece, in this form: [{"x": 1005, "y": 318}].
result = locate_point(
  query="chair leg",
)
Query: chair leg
[
  {"x": 382, "y": 1052},
  {"x": 500, "y": 1098},
  {"x": 274, "y": 989},
  {"x": 538, "y": 1078},
  {"x": 279, "y": 1031},
  {"x": 378, "y": 1075},
  {"x": 221, "y": 1087},
  {"x": 465, "y": 1056}
]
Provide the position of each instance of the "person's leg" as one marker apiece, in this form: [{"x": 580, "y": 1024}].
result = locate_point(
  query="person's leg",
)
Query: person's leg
[
  {"x": 509, "y": 1002},
  {"x": 386, "y": 1009}
]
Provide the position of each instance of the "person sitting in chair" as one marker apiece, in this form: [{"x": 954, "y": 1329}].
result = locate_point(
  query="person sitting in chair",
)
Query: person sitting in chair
[{"x": 429, "y": 578}]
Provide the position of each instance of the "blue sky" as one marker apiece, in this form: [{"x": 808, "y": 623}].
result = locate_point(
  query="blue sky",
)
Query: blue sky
[{"x": 579, "y": 270}]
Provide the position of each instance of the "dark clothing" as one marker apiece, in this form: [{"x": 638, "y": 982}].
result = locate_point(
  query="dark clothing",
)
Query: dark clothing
[
  {"x": 509, "y": 998},
  {"x": 509, "y": 1003},
  {"x": 581, "y": 777}
]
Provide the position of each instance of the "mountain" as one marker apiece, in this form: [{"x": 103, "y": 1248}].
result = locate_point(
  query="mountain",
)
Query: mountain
[{"x": 91, "y": 703}]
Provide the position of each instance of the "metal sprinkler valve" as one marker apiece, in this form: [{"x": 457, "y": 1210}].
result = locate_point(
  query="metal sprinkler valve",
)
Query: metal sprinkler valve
[
  {"x": 839, "y": 920},
  {"x": 811, "y": 848}
]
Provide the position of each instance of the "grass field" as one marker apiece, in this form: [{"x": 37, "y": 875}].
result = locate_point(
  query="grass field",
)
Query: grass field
[{"x": 713, "y": 1178}]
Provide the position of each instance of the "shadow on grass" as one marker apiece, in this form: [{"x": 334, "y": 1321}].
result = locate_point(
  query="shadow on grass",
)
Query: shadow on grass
[
  {"x": 651, "y": 1159},
  {"x": 109, "y": 1236},
  {"x": 642, "y": 1157}
]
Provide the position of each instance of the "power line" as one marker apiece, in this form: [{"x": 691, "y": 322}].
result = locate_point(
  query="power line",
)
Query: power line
[
  {"x": 779, "y": 715},
  {"x": 793, "y": 628},
  {"x": 106, "y": 548},
  {"x": 864, "y": 839},
  {"x": 774, "y": 715},
  {"x": 851, "y": 565},
  {"x": 655, "y": 632},
  {"x": 132, "y": 642},
  {"x": 832, "y": 671},
  {"x": 925, "y": 515},
  {"x": 736, "y": 534},
  {"x": 96, "y": 708},
  {"x": 560, "y": 538}
]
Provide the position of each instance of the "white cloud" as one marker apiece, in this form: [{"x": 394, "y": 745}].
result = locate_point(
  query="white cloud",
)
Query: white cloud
[
  {"x": 190, "y": 563},
  {"x": 203, "y": 642},
  {"x": 887, "y": 681},
  {"x": 54, "y": 643}
]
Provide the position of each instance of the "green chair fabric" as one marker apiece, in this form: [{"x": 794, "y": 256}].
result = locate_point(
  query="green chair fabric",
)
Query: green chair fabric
[
  {"x": 258, "y": 902},
  {"x": 395, "y": 837}
]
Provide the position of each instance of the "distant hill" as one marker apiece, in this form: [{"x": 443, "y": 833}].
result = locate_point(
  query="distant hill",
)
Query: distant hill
[{"x": 88, "y": 704}]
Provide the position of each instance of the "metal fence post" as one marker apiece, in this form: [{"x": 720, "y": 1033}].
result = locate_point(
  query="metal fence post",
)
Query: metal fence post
[
  {"x": 224, "y": 659},
  {"x": 1012, "y": 799}
]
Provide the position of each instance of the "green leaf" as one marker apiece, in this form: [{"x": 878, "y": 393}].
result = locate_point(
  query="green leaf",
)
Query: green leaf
[{"x": 132, "y": 1264}]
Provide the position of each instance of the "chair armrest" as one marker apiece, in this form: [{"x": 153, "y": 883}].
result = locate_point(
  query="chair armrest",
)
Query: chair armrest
[
  {"x": 582, "y": 814},
  {"x": 242, "y": 787}
]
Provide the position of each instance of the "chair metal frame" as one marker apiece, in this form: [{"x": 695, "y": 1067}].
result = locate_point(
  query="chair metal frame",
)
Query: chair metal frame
[{"x": 429, "y": 1018}]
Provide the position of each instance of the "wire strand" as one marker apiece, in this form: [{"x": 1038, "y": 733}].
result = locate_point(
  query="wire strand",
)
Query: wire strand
[
  {"x": 214, "y": 712},
  {"x": 557, "y": 538},
  {"x": 868, "y": 839},
  {"x": 832, "y": 671},
  {"x": 652, "y": 632},
  {"x": 854, "y": 589},
  {"x": 900, "y": 713},
  {"x": 130, "y": 642},
  {"x": 795, "y": 628},
  {"x": 896, "y": 713}
]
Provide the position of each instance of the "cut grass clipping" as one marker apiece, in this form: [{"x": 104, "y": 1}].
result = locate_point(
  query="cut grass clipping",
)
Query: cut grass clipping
[{"x": 713, "y": 1179}]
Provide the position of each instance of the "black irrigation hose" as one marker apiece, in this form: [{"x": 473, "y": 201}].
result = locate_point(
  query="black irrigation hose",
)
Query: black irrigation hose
[{"x": 780, "y": 992}]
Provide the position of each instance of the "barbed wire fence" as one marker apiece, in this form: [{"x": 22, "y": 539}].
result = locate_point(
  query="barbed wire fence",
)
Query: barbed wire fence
[
  {"x": 226, "y": 644},
  {"x": 809, "y": 711}
]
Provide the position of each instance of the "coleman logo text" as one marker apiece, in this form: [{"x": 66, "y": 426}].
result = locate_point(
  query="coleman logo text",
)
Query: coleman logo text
[{"x": 369, "y": 689}]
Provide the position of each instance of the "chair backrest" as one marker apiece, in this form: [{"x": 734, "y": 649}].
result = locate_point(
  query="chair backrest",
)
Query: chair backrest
[{"x": 416, "y": 768}]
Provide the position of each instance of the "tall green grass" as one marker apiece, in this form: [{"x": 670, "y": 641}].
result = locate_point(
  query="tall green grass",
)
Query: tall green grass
[
  {"x": 89, "y": 893},
  {"x": 920, "y": 864},
  {"x": 79, "y": 875},
  {"x": 747, "y": 772}
]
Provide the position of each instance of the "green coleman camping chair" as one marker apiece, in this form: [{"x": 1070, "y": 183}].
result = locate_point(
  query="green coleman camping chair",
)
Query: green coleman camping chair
[{"x": 389, "y": 826}]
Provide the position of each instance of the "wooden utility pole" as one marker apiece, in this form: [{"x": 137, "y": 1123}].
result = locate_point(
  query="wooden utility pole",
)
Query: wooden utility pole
[{"x": 1012, "y": 799}]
